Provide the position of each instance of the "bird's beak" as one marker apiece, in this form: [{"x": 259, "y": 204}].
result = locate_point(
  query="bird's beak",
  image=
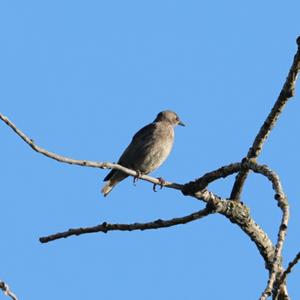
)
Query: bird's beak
[{"x": 181, "y": 123}]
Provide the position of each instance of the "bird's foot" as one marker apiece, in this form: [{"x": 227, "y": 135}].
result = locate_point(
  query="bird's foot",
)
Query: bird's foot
[
  {"x": 138, "y": 175},
  {"x": 161, "y": 183}
]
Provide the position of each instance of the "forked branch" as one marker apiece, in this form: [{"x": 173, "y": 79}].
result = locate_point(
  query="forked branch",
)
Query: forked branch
[{"x": 287, "y": 91}]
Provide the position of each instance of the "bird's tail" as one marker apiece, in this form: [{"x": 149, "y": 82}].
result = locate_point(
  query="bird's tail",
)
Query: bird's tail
[
  {"x": 113, "y": 178},
  {"x": 108, "y": 187}
]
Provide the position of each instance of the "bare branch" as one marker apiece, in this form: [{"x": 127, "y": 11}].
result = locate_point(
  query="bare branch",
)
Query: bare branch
[
  {"x": 286, "y": 93},
  {"x": 105, "y": 227},
  {"x": 236, "y": 212},
  {"x": 239, "y": 213},
  {"x": 276, "y": 266},
  {"x": 85, "y": 163},
  {"x": 291, "y": 265},
  {"x": 274, "y": 261},
  {"x": 284, "y": 206},
  {"x": 206, "y": 179},
  {"x": 5, "y": 288}
]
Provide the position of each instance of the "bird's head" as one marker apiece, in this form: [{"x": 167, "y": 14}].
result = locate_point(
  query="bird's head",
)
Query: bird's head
[{"x": 170, "y": 117}]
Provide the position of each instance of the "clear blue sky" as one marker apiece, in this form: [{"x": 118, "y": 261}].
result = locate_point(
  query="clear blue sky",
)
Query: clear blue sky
[{"x": 80, "y": 78}]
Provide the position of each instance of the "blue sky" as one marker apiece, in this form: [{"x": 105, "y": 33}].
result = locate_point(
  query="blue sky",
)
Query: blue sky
[{"x": 80, "y": 78}]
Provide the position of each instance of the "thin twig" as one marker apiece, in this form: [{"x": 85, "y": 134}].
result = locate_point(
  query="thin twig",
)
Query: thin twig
[
  {"x": 5, "y": 288},
  {"x": 286, "y": 93},
  {"x": 281, "y": 281},
  {"x": 105, "y": 227},
  {"x": 289, "y": 269}
]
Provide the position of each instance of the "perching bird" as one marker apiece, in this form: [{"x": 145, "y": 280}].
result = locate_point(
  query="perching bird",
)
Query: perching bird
[{"x": 148, "y": 149}]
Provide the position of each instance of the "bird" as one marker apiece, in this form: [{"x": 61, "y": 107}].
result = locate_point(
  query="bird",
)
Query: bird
[{"x": 149, "y": 148}]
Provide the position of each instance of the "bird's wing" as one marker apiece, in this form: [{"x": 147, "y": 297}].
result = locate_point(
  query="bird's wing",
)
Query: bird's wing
[
  {"x": 139, "y": 141},
  {"x": 136, "y": 148},
  {"x": 144, "y": 133}
]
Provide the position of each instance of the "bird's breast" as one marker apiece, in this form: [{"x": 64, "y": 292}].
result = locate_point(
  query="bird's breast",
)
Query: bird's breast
[{"x": 156, "y": 149}]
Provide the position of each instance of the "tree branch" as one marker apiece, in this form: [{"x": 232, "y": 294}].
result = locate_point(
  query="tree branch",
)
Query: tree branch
[
  {"x": 105, "y": 227},
  {"x": 276, "y": 266},
  {"x": 290, "y": 267},
  {"x": 236, "y": 212},
  {"x": 5, "y": 288},
  {"x": 239, "y": 214},
  {"x": 279, "y": 291},
  {"x": 286, "y": 93},
  {"x": 202, "y": 182}
]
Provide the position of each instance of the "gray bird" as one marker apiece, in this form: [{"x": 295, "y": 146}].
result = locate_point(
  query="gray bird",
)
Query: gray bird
[{"x": 149, "y": 148}]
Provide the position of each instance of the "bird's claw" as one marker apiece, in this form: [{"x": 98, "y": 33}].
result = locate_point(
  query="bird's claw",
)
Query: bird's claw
[
  {"x": 161, "y": 183},
  {"x": 137, "y": 177}
]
